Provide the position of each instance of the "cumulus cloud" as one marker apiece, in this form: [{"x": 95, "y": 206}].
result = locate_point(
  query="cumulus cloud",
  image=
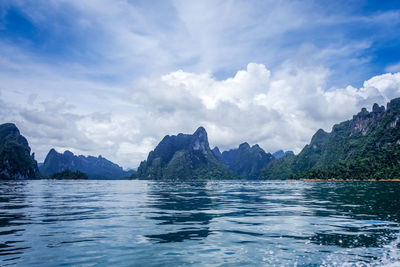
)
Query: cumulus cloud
[
  {"x": 277, "y": 109},
  {"x": 387, "y": 84}
]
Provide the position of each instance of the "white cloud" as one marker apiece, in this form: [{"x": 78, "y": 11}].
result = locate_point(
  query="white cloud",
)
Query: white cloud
[
  {"x": 387, "y": 84},
  {"x": 236, "y": 90},
  {"x": 277, "y": 109}
]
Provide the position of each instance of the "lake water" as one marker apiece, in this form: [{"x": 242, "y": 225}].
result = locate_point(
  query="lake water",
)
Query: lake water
[{"x": 148, "y": 223}]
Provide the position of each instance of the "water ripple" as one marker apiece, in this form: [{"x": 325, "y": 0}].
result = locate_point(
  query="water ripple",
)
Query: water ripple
[{"x": 125, "y": 223}]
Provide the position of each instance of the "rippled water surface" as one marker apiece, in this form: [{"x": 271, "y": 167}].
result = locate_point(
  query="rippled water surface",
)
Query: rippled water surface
[{"x": 146, "y": 223}]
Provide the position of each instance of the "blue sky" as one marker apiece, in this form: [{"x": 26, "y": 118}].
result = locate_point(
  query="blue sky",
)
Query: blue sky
[
  {"x": 55, "y": 33},
  {"x": 113, "y": 77}
]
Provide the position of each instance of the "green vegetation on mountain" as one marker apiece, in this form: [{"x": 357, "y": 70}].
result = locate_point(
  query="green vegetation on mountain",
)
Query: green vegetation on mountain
[
  {"x": 381, "y": 163},
  {"x": 68, "y": 174},
  {"x": 278, "y": 168},
  {"x": 16, "y": 161},
  {"x": 366, "y": 147},
  {"x": 183, "y": 157},
  {"x": 246, "y": 161}
]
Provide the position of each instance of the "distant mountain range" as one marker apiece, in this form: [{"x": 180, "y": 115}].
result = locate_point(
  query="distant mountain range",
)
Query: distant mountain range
[
  {"x": 93, "y": 167},
  {"x": 365, "y": 147}
]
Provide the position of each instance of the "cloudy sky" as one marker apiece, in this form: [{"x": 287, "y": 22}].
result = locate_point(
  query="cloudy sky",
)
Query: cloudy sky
[{"x": 112, "y": 77}]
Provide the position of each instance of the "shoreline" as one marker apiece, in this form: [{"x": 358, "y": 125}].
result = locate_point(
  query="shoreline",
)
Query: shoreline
[{"x": 346, "y": 180}]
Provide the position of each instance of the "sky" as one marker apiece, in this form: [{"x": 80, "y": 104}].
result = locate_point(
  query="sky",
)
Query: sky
[{"x": 113, "y": 77}]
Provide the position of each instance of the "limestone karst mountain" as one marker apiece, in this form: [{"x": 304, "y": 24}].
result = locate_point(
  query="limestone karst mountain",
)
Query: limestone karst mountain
[
  {"x": 183, "y": 156},
  {"x": 95, "y": 167},
  {"x": 365, "y": 147},
  {"x": 16, "y": 160}
]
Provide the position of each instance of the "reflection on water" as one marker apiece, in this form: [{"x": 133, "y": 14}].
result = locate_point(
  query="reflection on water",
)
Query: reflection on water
[
  {"x": 12, "y": 220},
  {"x": 48, "y": 223},
  {"x": 183, "y": 206},
  {"x": 369, "y": 212}
]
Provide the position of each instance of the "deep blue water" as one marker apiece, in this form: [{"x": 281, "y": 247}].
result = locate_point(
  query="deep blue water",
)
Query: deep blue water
[{"x": 148, "y": 223}]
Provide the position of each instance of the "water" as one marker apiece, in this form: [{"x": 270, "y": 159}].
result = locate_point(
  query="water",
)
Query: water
[{"x": 147, "y": 223}]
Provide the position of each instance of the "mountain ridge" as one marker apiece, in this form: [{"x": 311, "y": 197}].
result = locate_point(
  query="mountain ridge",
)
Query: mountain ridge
[
  {"x": 361, "y": 141},
  {"x": 183, "y": 156},
  {"x": 246, "y": 161},
  {"x": 95, "y": 167},
  {"x": 367, "y": 146}
]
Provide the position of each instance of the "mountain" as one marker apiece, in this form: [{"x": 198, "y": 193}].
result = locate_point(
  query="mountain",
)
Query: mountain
[
  {"x": 183, "y": 156},
  {"x": 280, "y": 154},
  {"x": 365, "y": 147},
  {"x": 216, "y": 153},
  {"x": 246, "y": 161},
  {"x": 16, "y": 161},
  {"x": 94, "y": 167}
]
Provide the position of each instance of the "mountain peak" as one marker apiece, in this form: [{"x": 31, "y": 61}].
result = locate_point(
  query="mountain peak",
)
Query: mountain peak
[
  {"x": 378, "y": 109},
  {"x": 200, "y": 141},
  {"x": 216, "y": 153},
  {"x": 244, "y": 145},
  {"x": 183, "y": 156},
  {"x": 364, "y": 122},
  {"x": 9, "y": 125},
  {"x": 319, "y": 136},
  {"x": 200, "y": 133},
  {"x": 256, "y": 147},
  {"x": 8, "y": 129},
  {"x": 68, "y": 154},
  {"x": 53, "y": 151}
]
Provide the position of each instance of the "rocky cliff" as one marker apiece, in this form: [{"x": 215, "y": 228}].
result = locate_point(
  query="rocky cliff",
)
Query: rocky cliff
[
  {"x": 16, "y": 160},
  {"x": 367, "y": 146},
  {"x": 183, "y": 156}
]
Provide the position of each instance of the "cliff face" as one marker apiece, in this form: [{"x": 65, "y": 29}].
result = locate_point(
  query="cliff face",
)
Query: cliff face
[
  {"x": 368, "y": 136},
  {"x": 183, "y": 156},
  {"x": 246, "y": 161},
  {"x": 365, "y": 121},
  {"x": 16, "y": 161},
  {"x": 217, "y": 153},
  {"x": 94, "y": 167}
]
